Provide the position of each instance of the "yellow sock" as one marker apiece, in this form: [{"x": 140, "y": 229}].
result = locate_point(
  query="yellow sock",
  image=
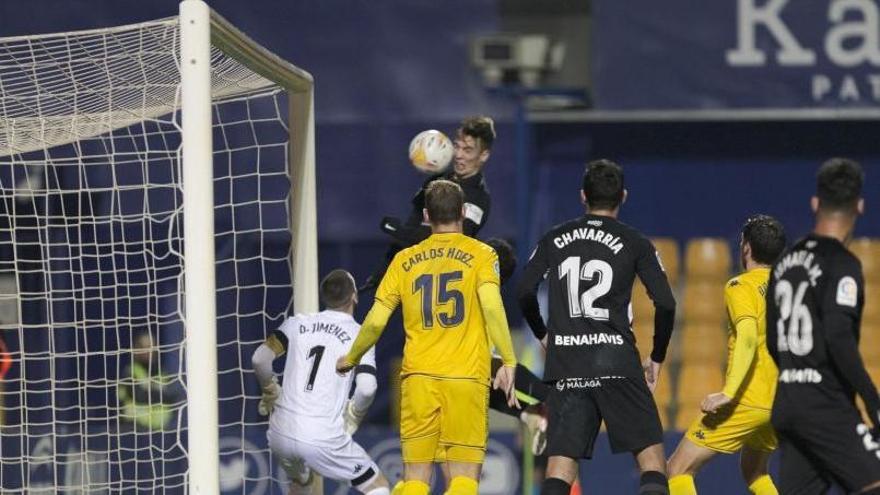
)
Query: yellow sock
[
  {"x": 462, "y": 485},
  {"x": 683, "y": 484},
  {"x": 398, "y": 488},
  {"x": 415, "y": 487},
  {"x": 763, "y": 486}
]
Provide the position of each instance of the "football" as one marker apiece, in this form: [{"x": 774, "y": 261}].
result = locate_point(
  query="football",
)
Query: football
[{"x": 430, "y": 151}]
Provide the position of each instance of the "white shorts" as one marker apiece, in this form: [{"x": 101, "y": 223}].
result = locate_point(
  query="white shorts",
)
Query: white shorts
[{"x": 346, "y": 461}]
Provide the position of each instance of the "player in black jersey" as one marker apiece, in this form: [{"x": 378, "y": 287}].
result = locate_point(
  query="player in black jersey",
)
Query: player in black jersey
[
  {"x": 814, "y": 307},
  {"x": 593, "y": 365},
  {"x": 473, "y": 146}
]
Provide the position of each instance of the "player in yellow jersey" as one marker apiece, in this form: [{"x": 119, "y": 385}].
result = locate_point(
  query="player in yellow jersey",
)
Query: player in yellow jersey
[
  {"x": 738, "y": 417},
  {"x": 448, "y": 287}
]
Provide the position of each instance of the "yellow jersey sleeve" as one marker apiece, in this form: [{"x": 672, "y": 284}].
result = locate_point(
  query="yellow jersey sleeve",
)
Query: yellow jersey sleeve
[
  {"x": 388, "y": 293},
  {"x": 741, "y": 301},
  {"x": 488, "y": 271}
]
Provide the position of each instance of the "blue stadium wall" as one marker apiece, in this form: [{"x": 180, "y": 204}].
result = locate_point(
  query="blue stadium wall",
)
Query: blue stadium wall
[{"x": 386, "y": 70}]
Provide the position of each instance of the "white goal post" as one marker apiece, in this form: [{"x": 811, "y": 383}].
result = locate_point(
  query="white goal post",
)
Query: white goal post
[
  {"x": 198, "y": 29},
  {"x": 113, "y": 145}
]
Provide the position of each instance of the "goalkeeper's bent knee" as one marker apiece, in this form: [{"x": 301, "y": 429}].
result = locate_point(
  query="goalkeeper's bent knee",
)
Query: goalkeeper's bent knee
[
  {"x": 462, "y": 485},
  {"x": 416, "y": 487},
  {"x": 398, "y": 488},
  {"x": 763, "y": 486},
  {"x": 682, "y": 484}
]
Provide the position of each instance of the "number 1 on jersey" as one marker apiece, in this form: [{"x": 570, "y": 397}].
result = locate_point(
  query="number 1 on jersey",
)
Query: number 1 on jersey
[
  {"x": 317, "y": 352},
  {"x": 582, "y": 304}
]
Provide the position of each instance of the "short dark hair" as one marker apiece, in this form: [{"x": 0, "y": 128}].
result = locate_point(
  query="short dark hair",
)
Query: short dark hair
[
  {"x": 506, "y": 257},
  {"x": 765, "y": 236},
  {"x": 839, "y": 184},
  {"x": 337, "y": 288},
  {"x": 444, "y": 200},
  {"x": 603, "y": 184},
  {"x": 481, "y": 128}
]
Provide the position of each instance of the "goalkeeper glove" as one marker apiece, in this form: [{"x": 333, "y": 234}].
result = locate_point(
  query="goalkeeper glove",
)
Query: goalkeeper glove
[
  {"x": 352, "y": 417},
  {"x": 271, "y": 392}
]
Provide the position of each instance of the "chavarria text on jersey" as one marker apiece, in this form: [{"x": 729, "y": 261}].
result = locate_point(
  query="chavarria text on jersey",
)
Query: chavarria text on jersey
[
  {"x": 589, "y": 234},
  {"x": 327, "y": 328},
  {"x": 801, "y": 259}
]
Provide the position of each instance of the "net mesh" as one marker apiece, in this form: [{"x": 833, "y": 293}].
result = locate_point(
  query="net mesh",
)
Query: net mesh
[{"x": 91, "y": 266}]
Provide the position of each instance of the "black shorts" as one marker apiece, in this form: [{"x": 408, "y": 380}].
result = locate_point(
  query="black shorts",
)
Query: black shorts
[
  {"x": 820, "y": 446},
  {"x": 577, "y": 406}
]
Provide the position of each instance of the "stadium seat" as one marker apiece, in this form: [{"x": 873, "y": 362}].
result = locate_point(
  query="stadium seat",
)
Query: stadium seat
[
  {"x": 702, "y": 344},
  {"x": 871, "y": 311},
  {"x": 642, "y": 305},
  {"x": 695, "y": 382},
  {"x": 868, "y": 252},
  {"x": 663, "y": 397},
  {"x": 704, "y": 302},
  {"x": 669, "y": 256},
  {"x": 869, "y": 344},
  {"x": 707, "y": 259},
  {"x": 874, "y": 372},
  {"x": 644, "y": 332}
]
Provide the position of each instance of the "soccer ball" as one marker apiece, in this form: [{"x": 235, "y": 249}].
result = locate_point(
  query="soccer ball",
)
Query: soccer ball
[{"x": 430, "y": 151}]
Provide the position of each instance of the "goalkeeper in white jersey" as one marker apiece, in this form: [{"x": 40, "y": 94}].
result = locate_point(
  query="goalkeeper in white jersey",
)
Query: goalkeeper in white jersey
[{"x": 311, "y": 417}]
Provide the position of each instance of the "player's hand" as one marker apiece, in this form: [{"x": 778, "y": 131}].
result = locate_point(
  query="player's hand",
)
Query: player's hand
[
  {"x": 544, "y": 343},
  {"x": 343, "y": 366},
  {"x": 652, "y": 373},
  {"x": 713, "y": 402},
  {"x": 352, "y": 418},
  {"x": 504, "y": 380},
  {"x": 271, "y": 393}
]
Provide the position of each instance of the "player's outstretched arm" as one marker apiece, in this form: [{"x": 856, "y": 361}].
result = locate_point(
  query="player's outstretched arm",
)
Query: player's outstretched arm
[
  {"x": 499, "y": 334},
  {"x": 744, "y": 352},
  {"x": 371, "y": 330},
  {"x": 527, "y": 293},
  {"x": 844, "y": 351},
  {"x": 261, "y": 361},
  {"x": 840, "y": 322},
  {"x": 742, "y": 302},
  {"x": 364, "y": 392},
  {"x": 651, "y": 274}
]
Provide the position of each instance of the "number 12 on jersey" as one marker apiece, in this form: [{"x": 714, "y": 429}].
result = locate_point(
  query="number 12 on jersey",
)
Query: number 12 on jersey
[{"x": 582, "y": 305}]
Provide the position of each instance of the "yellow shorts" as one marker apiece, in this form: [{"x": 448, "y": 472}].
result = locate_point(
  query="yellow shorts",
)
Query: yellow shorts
[
  {"x": 450, "y": 415},
  {"x": 732, "y": 428}
]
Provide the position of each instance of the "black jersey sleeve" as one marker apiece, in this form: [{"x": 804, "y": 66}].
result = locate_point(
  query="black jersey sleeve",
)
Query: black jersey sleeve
[
  {"x": 841, "y": 314},
  {"x": 771, "y": 317},
  {"x": 476, "y": 210},
  {"x": 651, "y": 273},
  {"x": 527, "y": 291}
]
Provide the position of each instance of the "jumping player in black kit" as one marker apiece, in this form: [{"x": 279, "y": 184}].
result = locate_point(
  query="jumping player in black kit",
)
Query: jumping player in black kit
[
  {"x": 473, "y": 146},
  {"x": 814, "y": 307},
  {"x": 592, "y": 363}
]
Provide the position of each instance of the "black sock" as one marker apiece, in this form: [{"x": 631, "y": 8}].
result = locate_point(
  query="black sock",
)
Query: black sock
[
  {"x": 654, "y": 483},
  {"x": 555, "y": 486}
]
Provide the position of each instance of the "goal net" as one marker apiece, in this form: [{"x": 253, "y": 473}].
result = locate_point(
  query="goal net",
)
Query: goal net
[{"x": 109, "y": 360}]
